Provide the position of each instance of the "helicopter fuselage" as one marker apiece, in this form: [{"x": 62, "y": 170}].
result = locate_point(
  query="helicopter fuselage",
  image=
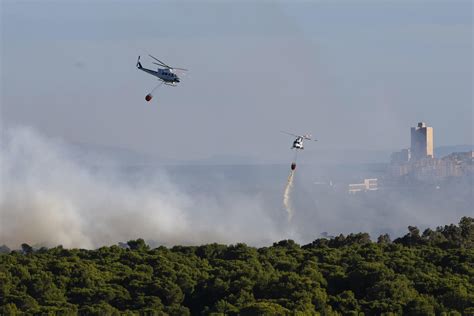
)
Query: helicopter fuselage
[
  {"x": 298, "y": 143},
  {"x": 163, "y": 74},
  {"x": 167, "y": 75}
]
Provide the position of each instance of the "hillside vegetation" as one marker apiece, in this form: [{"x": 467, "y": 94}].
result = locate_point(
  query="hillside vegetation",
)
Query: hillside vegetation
[{"x": 418, "y": 274}]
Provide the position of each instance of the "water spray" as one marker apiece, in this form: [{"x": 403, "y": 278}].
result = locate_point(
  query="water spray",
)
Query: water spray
[
  {"x": 289, "y": 186},
  {"x": 286, "y": 195}
]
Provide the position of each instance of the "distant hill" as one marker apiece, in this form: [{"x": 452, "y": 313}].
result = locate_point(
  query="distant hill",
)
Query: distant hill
[
  {"x": 100, "y": 154},
  {"x": 95, "y": 154}
]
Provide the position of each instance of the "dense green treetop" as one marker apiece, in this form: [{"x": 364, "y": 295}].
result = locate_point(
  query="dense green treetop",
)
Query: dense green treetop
[{"x": 428, "y": 273}]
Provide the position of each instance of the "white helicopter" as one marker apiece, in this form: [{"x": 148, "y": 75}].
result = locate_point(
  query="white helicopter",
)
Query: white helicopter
[
  {"x": 166, "y": 74},
  {"x": 298, "y": 142},
  {"x": 298, "y": 145}
]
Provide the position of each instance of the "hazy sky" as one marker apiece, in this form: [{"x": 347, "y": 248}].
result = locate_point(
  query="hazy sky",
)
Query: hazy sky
[{"x": 357, "y": 74}]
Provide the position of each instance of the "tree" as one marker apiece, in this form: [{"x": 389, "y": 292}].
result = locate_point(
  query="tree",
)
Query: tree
[
  {"x": 4, "y": 249},
  {"x": 26, "y": 249},
  {"x": 384, "y": 239},
  {"x": 264, "y": 309},
  {"x": 138, "y": 244},
  {"x": 419, "y": 306},
  {"x": 9, "y": 309},
  {"x": 466, "y": 224}
]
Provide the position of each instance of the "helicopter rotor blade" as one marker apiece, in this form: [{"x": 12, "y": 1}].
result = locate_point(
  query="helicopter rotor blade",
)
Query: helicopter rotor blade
[
  {"x": 162, "y": 63},
  {"x": 183, "y": 69},
  {"x": 169, "y": 67},
  {"x": 290, "y": 134}
]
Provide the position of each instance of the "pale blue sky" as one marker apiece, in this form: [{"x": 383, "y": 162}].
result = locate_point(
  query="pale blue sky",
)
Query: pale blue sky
[{"x": 356, "y": 74}]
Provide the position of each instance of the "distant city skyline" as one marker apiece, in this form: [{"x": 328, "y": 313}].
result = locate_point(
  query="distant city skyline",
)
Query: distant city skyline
[{"x": 356, "y": 75}]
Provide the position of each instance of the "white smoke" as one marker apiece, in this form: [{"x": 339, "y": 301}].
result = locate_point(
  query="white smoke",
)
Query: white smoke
[
  {"x": 286, "y": 195},
  {"x": 49, "y": 198}
]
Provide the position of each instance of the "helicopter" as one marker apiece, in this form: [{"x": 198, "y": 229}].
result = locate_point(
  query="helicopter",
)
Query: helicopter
[
  {"x": 298, "y": 142},
  {"x": 298, "y": 145},
  {"x": 166, "y": 74}
]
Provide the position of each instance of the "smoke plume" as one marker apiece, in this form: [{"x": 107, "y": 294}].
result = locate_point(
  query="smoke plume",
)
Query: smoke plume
[
  {"x": 52, "y": 193},
  {"x": 48, "y": 198}
]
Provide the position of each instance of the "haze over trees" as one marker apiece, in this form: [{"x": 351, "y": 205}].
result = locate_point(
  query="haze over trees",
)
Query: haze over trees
[{"x": 421, "y": 273}]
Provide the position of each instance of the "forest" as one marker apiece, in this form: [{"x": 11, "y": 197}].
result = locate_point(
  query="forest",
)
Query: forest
[{"x": 420, "y": 273}]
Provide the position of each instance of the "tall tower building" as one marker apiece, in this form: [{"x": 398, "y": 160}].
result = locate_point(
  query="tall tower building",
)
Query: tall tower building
[{"x": 421, "y": 142}]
